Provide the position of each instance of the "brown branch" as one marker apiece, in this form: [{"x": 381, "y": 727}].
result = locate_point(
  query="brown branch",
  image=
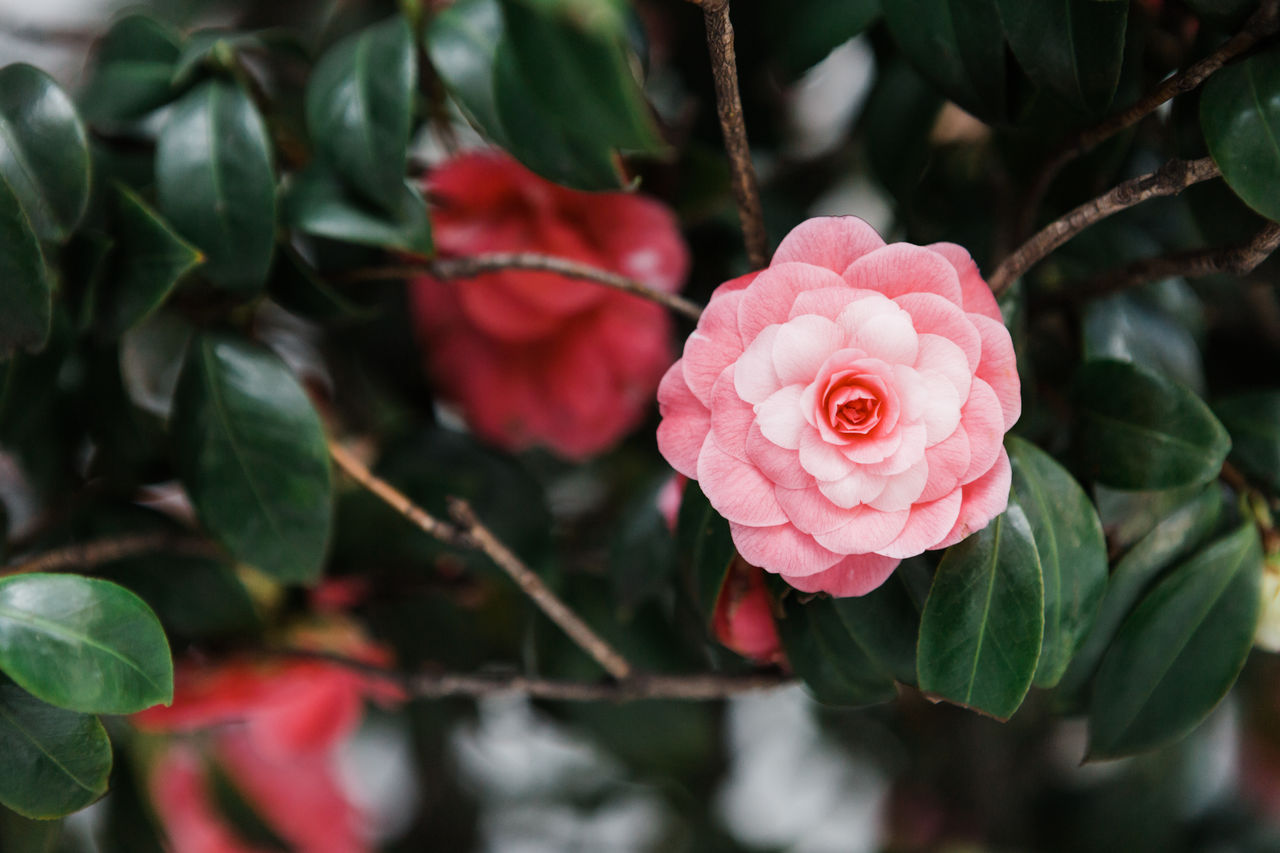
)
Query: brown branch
[
  {"x": 1170, "y": 179},
  {"x": 88, "y": 555},
  {"x": 724, "y": 66},
  {"x": 559, "y": 612},
  {"x": 470, "y": 267},
  {"x": 1263, "y": 23},
  {"x": 1237, "y": 260},
  {"x": 472, "y": 533},
  {"x": 637, "y": 686}
]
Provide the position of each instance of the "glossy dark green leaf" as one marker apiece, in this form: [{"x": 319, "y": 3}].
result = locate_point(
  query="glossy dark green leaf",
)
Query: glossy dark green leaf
[
  {"x": 1073, "y": 553},
  {"x": 1253, "y": 420},
  {"x": 131, "y": 70},
  {"x": 575, "y": 65},
  {"x": 252, "y": 455},
  {"x": 543, "y": 144},
  {"x": 320, "y": 205},
  {"x": 148, "y": 261},
  {"x": 83, "y": 644},
  {"x": 462, "y": 42},
  {"x": 26, "y": 299},
  {"x": 1073, "y": 47},
  {"x": 983, "y": 622},
  {"x": 1131, "y": 327},
  {"x": 52, "y": 761},
  {"x": 1240, "y": 118},
  {"x": 299, "y": 288},
  {"x": 959, "y": 46},
  {"x": 216, "y": 184},
  {"x": 885, "y": 624},
  {"x": 808, "y": 30},
  {"x": 193, "y": 597},
  {"x": 1174, "y": 536},
  {"x": 1180, "y": 651},
  {"x": 1139, "y": 430},
  {"x": 705, "y": 548},
  {"x": 359, "y": 107},
  {"x": 215, "y": 48},
  {"x": 835, "y": 666},
  {"x": 642, "y": 551},
  {"x": 44, "y": 151}
]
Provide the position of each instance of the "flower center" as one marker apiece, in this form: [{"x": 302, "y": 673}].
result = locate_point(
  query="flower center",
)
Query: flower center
[{"x": 851, "y": 407}]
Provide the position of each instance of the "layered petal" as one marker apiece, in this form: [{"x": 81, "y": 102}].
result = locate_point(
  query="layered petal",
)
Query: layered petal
[
  {"x": 856, "y": 574},
  {"x": 832, "y": 242}
]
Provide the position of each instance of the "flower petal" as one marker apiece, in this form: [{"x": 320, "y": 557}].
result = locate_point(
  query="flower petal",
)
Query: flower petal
[
  {"x": 753, "y": 373},
  {"x": 977, "y": 297},
  {"x": 780, "y": 465},
  {"x": 769, "y": 298},
  {"x": 933, "y": 315},
  {"x": 857, "y": 488},
  {"x": 984, "y": 427},
  {"x": 865, "y": 530},
  {"x": 881, "y": 329},
  {"x": 802, "y": 345},
  {"x": 781, "y": 549},
  {"x": 902, "y": 490},
  {"x": 928, "y": 524},
  {"x": 737, "y": 490},
  {"x": 780, "y": 418},
  {"x": 823, "y": 461},
  {"x": 903, "y": 268},
  {"x": 856, "y": 574},
  {"x": 833, "y": 242},
  {"x": 713, "y": 346},
  {"x": 731, "y": 418},
  {"x": 999, "y": 367},
  {"x": 983, "y": 499},
  {"x": 685, "y": 422},
  {"x": 945, "y": 356}
]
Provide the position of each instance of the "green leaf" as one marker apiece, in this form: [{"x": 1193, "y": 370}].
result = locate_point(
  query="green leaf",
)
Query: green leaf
[
  {"x": 44, "y": 151},
  {"x": 575, "y": 64},
  {"x": 148, "y": 261},
  {"x": 1240, "y": 118},
  {"x": 1140, "y": 430},
  {"x": 1180, "y": 651},
  {"x": 642, "y": 550},
  {"x": 131, "y": 71},
  {"x": 252, "y": 455},
  {"x": 26, "y": 297},
  {"x": 1136, "y": 327},
  {"x": 1073, "y": 553},
  {"x": 299, "y": 288},
  {"x": 959, "y": 46},
  {"x": 1173, "y": 536},
  {"x": 983, "y": 622},
  {"x": 705, "y": 547},
  {"x": 885, "y": 624},
  {"x": 212, "y": 47},
  {"x": 462, "y": 42},
  {"x": 359, "y": 109},
  {"x": 835, "y": 666},
  {"x": 1073, "y": 47},
  {"x": 83, "y": 644},
  {"x": 1253, "y": 420},
  {"x": 52, "y": 761},
  {"x": 318, "y": 204},
  {"x": 216, "y": 184},
  {"x": 808, "y": 30}
]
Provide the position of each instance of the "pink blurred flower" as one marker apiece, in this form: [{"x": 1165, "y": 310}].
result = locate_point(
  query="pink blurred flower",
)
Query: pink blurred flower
[
  {"x": 536, "y": 358},
  {"x": 845, "y": 408},
  {"x": 743, "y": 619}
]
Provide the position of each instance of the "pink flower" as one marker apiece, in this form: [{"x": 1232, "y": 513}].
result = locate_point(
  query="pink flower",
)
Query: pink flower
[
  {"x": 536, "y": 358},
  {"x": 743, "y": 618},
  {"x": 845, "y": 407}
]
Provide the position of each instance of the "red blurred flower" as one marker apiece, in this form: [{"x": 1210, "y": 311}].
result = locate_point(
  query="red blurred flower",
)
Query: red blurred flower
[
  {"x": 536, "y": 358},
  {"x": 743, "y": 619},
  {"x": 274, "y": 727}
]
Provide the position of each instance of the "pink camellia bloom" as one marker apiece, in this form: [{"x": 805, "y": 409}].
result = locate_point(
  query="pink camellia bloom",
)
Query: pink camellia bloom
[
  {"x": 743, "y": 618},
  {"x": 535, "y": 358},
  {"x": 846, "y": 407}
]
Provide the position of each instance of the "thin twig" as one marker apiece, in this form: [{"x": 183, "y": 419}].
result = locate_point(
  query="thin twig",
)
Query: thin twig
[
  {"x": 724, "y": 67},
  {"x": 470, "y": 267},
  {"x": 634, "y": 687},
  {"x": 88, "y": 555},
  {"x": 1170, "y": 179},
  {"x": 1237, "y": 260},
  {"x": 559, "y": 612},
  {"x": 1263, "y": 23},
  {"x": 472, "y": 533}
]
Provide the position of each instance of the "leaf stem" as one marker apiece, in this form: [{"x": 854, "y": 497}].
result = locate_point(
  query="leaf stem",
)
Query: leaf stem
[{"x": 88, "y": 555}]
